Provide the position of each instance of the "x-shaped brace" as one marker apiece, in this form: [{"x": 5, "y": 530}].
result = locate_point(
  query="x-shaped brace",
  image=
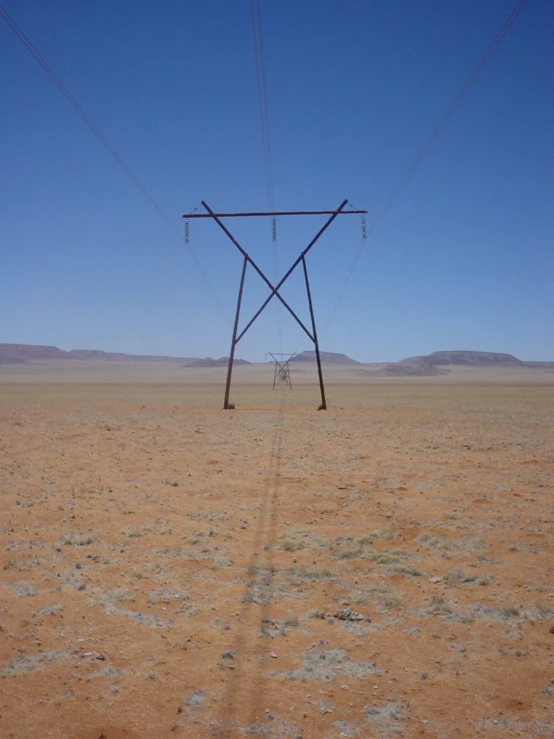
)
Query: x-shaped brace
[
  {"x": 275, "y": 289},
  {"x": 274, "y": 292}
]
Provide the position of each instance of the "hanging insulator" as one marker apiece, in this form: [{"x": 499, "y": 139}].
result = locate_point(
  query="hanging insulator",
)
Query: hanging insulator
[
  {"x": 364, "y": 230},
  {"x": 187, "y": 233},
  {"x": 274, "y": 229}
]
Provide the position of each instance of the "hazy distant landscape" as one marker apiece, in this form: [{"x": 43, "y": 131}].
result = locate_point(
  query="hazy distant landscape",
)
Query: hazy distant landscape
[{"x": 430, "y": 365}]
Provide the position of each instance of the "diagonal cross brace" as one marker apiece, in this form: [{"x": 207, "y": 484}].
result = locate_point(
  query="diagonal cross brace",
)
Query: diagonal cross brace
[{"x": 274, "y": 290}]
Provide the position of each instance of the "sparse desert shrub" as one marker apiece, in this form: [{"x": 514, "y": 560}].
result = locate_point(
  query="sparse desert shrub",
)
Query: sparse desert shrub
[
  {"x": 456, "y": 578},
  {"x": 345, "y": 729},
  {"x": 294, "y": 541},
  {"x": 48, "y": 611},
  {"x": 495, "y": 613},
  {"x": 21, "y": 565},
  {"x": 119, "y": 595},
  {"x": 469, "y": 544},
  {"x": 221, "y": 563},
  {"x": 290, "y": 545},
  {"x": 349, "y": 547},
  {"x": 291, "y": 621},
  {"x": 166, "y": 596},
  {"x": 18, "y": 665},
  {"x": 324, "y": 665},
  {"x": 541, "y": 612},
  {"x": 383, "y": 594},
  {"x": 440, "y": 607},
  {"x": 194, "y": 700},
  {"x": 404, "y": 569},
  {"x": 392, "y": 710},
  {"x": 383, "y": 533},
  {"x": 389, "y": 556},
  {"x": 191, "y": 555},
  {"x": 77, "y": 539},
  {"x": 302, "y": 574},
  {"x": 24, "y": 589},
  {"x": 429, "y": 541}
]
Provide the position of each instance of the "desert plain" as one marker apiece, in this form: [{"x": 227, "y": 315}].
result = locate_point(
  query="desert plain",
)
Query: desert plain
[{"x": 380, "y": 569}]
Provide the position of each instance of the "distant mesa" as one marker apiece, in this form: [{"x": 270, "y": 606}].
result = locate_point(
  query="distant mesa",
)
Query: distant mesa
[
  {"x": 441, "y": 363},
  {"x": 466, "y": 358},
  {"x": 209, "y": 362},
  {"x": 326, "y": 358},
  {"x": 432, "y": 363},
  {"x": 23, "y": 353},
  {"x": 540, "y": 365},
  {"x": 96, "y": 354},
  {"x": 417, "y": 369},
  {"x": 120, "y": 357}
]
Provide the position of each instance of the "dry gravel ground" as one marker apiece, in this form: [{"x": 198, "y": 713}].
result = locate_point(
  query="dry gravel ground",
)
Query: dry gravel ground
[{"x": 383, "y": 569}]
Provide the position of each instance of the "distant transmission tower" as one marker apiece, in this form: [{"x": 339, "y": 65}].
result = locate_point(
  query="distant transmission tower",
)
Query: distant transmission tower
[{"x": 282, "y": 369}]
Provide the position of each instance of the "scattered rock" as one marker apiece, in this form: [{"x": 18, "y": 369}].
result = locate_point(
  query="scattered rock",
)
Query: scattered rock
[
  {"x": 94, "y": 655},
  {"x": 347, "y": 614}
]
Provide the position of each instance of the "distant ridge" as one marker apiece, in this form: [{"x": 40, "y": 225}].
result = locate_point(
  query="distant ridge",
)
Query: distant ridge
[
  {"x": 23, "y": 353},
  {"x": 120, "y": 357},
  {"x": 209, "y": 362},
  {"x": 326, "y": 357},
  {"x": 481, "y": 359},
  {"x": 418, "y": 369},
  {"x": 464, "y": 358},
  {"x": 436, "y": 363}
]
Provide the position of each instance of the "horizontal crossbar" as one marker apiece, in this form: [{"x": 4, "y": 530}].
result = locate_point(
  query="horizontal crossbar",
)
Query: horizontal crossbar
[{"x": 277, "y": 213}]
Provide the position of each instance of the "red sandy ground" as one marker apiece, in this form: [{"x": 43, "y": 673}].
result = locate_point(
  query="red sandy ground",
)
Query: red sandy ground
[{"x": 171, "y": 569}]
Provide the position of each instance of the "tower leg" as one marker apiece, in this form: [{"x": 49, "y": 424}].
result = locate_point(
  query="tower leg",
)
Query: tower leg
[
  {"x": 226, "y": 405},
  {"x": 323, "y": 406}
]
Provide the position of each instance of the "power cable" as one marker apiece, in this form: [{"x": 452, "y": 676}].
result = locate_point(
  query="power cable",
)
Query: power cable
[
  {"x": 31, "y": 48},
  {"x": 437, "y": 131},
  {"x": 259, "y": 58}
]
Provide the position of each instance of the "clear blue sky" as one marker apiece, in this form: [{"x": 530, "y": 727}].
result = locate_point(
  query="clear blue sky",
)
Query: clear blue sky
[{"x": 463, "y": 260}]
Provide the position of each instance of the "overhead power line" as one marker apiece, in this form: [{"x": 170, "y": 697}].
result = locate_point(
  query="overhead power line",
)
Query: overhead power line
[
  {"x": 437, "y": 131},
  {"x": 31, "y": 48},
  {"x": 259, "y": 58}
]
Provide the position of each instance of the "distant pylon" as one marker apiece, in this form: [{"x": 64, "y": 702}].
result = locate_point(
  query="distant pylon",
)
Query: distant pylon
[{"x": 282, "y": 369}]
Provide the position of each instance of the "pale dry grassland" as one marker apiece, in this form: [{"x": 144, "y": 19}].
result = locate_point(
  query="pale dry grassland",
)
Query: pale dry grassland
[{"x": 382, "y": 569}]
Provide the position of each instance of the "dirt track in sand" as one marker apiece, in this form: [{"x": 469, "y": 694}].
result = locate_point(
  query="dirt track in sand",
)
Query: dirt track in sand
[{"x": 383, "y": 569}]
